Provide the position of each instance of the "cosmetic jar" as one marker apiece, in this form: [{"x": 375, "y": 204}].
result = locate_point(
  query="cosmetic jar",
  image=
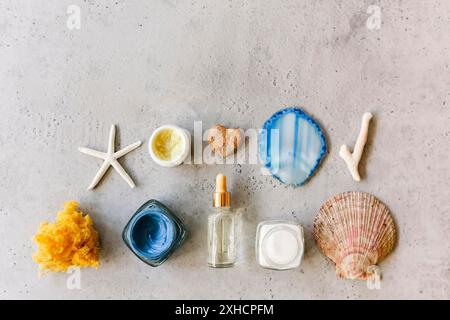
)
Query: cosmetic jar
[
  {"x": 279, "y": 244},
  {"x": 169, "y": 145},
  {"x": 154, "y": 233}
]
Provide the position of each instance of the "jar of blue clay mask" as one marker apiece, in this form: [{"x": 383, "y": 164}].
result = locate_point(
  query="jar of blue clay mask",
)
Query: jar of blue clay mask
[{"x": 154, "y": 233}]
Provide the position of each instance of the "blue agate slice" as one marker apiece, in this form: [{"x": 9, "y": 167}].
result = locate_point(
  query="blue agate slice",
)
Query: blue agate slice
[
  {"x": 291, "y": 146},
  {"x": 154, "y": 233}
]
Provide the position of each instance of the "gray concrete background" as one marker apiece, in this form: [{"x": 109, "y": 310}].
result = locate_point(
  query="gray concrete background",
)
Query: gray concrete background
[{"x": 141, "y": 64}]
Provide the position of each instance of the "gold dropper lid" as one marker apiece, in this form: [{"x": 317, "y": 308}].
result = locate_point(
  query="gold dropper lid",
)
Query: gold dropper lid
[{"x": 221, "y": 197}]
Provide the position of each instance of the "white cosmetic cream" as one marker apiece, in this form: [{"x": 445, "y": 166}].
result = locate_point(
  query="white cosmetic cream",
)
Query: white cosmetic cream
[{"x": 279, "y": 244}]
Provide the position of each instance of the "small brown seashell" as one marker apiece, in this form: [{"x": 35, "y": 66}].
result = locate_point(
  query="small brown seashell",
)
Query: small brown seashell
[
  {"x": 224, "y": 141},
  {"x": 356, "y": 231}
]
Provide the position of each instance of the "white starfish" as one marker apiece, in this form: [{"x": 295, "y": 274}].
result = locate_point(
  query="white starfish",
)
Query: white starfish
[{"x": 110, "y": 159}]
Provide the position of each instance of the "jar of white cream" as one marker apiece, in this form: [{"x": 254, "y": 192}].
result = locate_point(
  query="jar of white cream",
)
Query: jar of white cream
[{"x": 279, "y": 244}]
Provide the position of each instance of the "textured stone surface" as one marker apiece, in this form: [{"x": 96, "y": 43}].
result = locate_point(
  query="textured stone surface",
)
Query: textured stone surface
[{"x": 141, "y": 64}]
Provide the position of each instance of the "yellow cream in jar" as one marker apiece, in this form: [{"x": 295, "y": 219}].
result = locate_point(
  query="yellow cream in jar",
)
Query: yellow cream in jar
[{"x": 168, "y": 144}]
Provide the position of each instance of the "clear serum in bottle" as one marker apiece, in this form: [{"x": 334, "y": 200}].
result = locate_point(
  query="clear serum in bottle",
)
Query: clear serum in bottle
[{"x": 221, "y": 228}]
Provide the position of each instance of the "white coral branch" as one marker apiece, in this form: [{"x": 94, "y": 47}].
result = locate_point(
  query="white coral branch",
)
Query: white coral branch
[{"x": 352, "y": 159}]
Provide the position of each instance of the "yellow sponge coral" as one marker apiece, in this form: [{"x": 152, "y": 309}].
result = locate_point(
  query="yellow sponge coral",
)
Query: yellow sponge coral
[{"x": 70, "y": 241}]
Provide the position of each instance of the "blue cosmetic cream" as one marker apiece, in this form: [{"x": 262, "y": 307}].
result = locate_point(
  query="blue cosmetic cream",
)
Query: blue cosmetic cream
[{"x": 154, "y": 233}]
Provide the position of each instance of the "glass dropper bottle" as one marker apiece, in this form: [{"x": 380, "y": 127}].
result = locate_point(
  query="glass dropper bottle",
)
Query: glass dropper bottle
[{"x": 221, "y": 228}]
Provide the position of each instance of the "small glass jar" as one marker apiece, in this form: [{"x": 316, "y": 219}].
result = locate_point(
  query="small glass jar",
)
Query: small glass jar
[
  {"x": 279, "y": 244},
  {"x": 154, "y": 233}
]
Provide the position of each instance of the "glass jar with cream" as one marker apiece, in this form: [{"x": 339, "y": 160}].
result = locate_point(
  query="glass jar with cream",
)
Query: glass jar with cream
[
  {"x": 154, "y": 233},
  {"x": 279, "y": 244}
]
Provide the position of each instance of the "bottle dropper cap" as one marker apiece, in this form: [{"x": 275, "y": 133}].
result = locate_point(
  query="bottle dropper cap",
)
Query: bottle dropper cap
[{"x": 221, "y": 197}]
